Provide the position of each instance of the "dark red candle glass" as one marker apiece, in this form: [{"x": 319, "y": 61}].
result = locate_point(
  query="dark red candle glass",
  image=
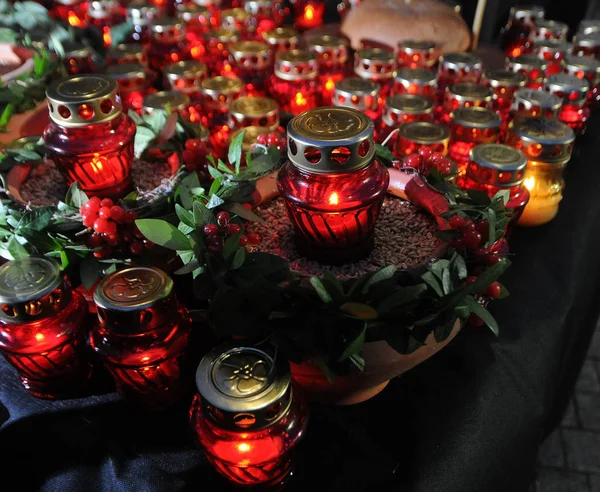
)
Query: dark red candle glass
[
  {"x": 186, "y": 77},
  {"x": 197, "y": 22},
  {"x": 251, "y": 61},
  {"x": 247, "y": 416},
  {"x": 515, "y": 36},
  {"x": 457, "y": 67},
  {"x": 418, "y": 54},
  {"x": 333, "y": 187},
  {"x": 360, "y": 94},
  {"x": 399, "y": 110},
  {"x": 73, "y": 12},
  {"x": 266, "y": 15},
  {"x": 532, "y": 102},
  {"x": 553, "y": 53},
  {"x": 495, "y": 167},
  {"x": 133, "y": 84},
  {"x": 504, "y": 84},
  {"x": 573, "y": 92},
  {"x": 294, "y": 82},
  {"x": 282, "y": 38},
  {"x": 416, "y": 81},
  {"x": 217, "y": 44},
  {"x": 308, "y": 13},
  {"x": 413, "y": 136},
  {"x": 102, "y": 15},
  {"x": 549, "y": 29},
  {"x": 586, "y": 68},
  {"x": 465, "y": 95},
  {"x": 240, "y": 21},
  {"x": 77, "y": 59},
  {"x": 214, "y": 6},
  {"x": 167, "y": 43},
  {"x": 43, "y": 328},
  {"x": 332, "y": 60},
  {"x": 587, "y": 45},
  {"x": 127, "y": 53},
  {"x": 530, "y": 66},
  {"x": 142, "y": 336},
  {"x": 139, "y": 15},
  {"x": 378, "y": 65},
  {"x": 89, "y": 138}
]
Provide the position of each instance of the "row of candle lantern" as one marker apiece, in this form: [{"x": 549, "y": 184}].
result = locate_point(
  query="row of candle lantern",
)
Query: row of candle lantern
[{"x": 246, "y": 415}]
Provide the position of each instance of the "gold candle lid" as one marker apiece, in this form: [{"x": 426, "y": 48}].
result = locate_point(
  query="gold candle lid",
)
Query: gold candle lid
[
  {"x": 232, "y": 18},
  {"x": 400, "y": 105},
  {"x": 223, "y": 35},
  {"x": 584, "y": 67},
  {"x": 130, "y": 76},
  {"x": 185, "y": 76},
  {"x": 374, "y": 63},
  {"x": 504, "y": 165},
  {"x": 357, "y": 93},
  {"x": 460, "y": 61},
  {"x": 476, "y": 118},
  {"x": 127, "y": 52},
  {"x": 505, "y": 78},
  {"x": 469, "y": 92},
  {"x": 547, "y": 29},
  {"x": 167, "y": 29},
  {"x": 591, "y": 40},
  {"x": 330, "y": 48},
  {"x": 296, "y": 65},
  {"x": 251, "y": 55},
  {"x": 542, "y": 139},
  {"x": 316, "y": 136},
  {"x": 421, "y": 76},
  {"x": 191, "y": 12},
  {"x": 425, "y": 133},
  {"x": 251, "y": 134},
  {"x": 141, "y": 13},
  {"x": 282, "y": 38},
  {"x": 254, "y": 109},
  {"x": 220, "y": 85},
  {"x": 173, "y": 100},
  {"x": 83, "y": 100},
  {"x": 570, "y": 88}
]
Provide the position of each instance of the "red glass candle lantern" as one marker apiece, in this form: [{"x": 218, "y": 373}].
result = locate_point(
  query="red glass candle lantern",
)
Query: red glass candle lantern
[
  {"x": 140, "y": 15},
  {"x": 332, "y": 60},
  {"x": 103, "y": 15},
  {"x": 532, "y": 102},
  {"x": 586, "y": 68},
  {"x": 251, "y": 61},
  {"x": 282, "y": 39},
  {"x": 73, "y": 12},
  {"x": 197, "y": 22},
  {"x": 333, "y": 186},
  {"x": 77, "y": 59},
  {"x": 554, "y": 53},
  {"x": 378, "y": 65},
  {"x": 467, "y": 95},
  {"x": 359, "y": 94},
  {"x": 240, "y": 21},
  {"x": 43, "y": 328},
  {"x": 504, "y": 84},
  {"x": 133, "y": 84},
  {"x": 588, "y": 26},
  {"x": 530, "y": 66},
  {"x": 89, "y": 138},
  {"x": 515, "y": 36},
  {"x": 587, "y": 45},
  {"x": 167, "y": 43},
  {"x": 247, "y": 417},
  {"x": 573, "y": 92},
  {"x": 294, "y": 82},
  {"x": 142, "y": 336},
  {"x": 416, "y": 81},
  {"x": 471, "y": 127},
  {"x": 215, "y": 7},
  {"x": 186, "y": 76},
  {"x": 401, "y": 109},
  {"x": 418, "y": 54},
  {"x": 217, "y": 44},
  {"x": 176, "y": 101},
  {"x": 495, "y": 167},
  {"x": 308, "y": 13},
  {"x": 266, "y": 15},
  {"x": 413, "y": 136},
  {"x": 127, "y": 53},
  {"x": 549, "y": 29},
  {"x": 254, "y": 111},
  {"x": 457, "y": 67}
]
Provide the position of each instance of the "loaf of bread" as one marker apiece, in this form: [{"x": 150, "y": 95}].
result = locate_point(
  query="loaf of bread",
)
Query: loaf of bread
[{"x": 390, "y": 21}]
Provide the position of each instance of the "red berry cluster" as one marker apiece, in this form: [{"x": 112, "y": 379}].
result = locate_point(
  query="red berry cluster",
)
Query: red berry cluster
[
  {"x": 425, "y": 160},
  {"x": 217, "y": 233},
  {"x": 494, "y": 290},
  {"x": 272, "y": 139},
  {"x": 114, "y": 229},
  {"x": 194, "y": 158}
]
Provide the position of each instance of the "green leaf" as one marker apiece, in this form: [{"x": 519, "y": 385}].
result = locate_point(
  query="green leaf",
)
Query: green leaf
[
  {"x": 329, "y": 374},
  {"x": 7, "y": 114},
  {"x": 188, "y": 268},
  {"x": 483, "y": 313},
  {"x": 241, "y": 211},
  {"x": 214, "y": 173},
  {"x": 503, "y": 196},
  {"x": 16, "y": 249},
  {"x": 214, "y": 187},
  {"x": 188, "y": 183},
  {"x": 143, "y": 137},
  {"x": 458, "y": 264},
  {"x": 400, "y": 297},
  {"x": 384, "y": 273},
  {"x": 90, "y": 271},
  {"x": 443, "y": 330},
  {"x": 232, "y": 243},
  {"x": 431, "y": 280},
  {"x": 185, "y": 216},
  {"x": 355, "y": 345},
  {"x": 359, "y": 310},
  {"x": 131, "y": 197},
  {"x": 491, "y": 217},
  {"x": 384, "y": 153},
  {"x": 479, "y": 197},
  {"x": 488, "y": 276},
  {"x": 203, "y": 215},
  {"x": 446, "y": 282},
  {"x": 76, "y": 197},
  {"x": 235, "y": 151},
  {"x": 37, "y": 219},
  {"x": 222, "y": 167},
  {"x": 358, "y": 361},
  {"x": 7, "y": 35},
  {"x": 320, "y": 289},
  {"x": 238, "y": 259},
  {"x": 334, "y": 287},
  {"x": 186, "y": 229},
  {"x": 163, "y": 234},
  {"x": 438, "y": 267}
]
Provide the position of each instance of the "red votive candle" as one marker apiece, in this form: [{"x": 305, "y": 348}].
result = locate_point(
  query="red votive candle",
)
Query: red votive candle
[
  {"x": 167, "y": 43},
  {"x": 418, "y": 54},
  {"x": 553, "y": 53},
  {"x": 187, "y": 77},
  {"x": 139, "y": 15},
  {"x": 176, "y": 101},
  {"x": 573, "y": 92},
  {"x": 215, "y": 7},
  {"x": 378, "y": 65},
  {"x": 266, "y": 15},
  {"x": 532, "y": 102},
  {"x": 359, "y": 94},
  {"x": 587, "y": 45},
  {"x": 247, "y": 417},
  {"x": 457, "y": 67},
  {"x": 89, "y": 138},
  {"x": 333, "y": 186},
  {"x": 142, "y": 336},
  {"x": 416, "y": 81},
  {"x": 282, "y": 39},
  {"x": 78, "y": 58},
  {"x": 133, "y": 84},
  {"x": 217, "y": 43},
  {"x": 197, "y": 22},
  {"x": 127, "y": 53},
  {"x": 549, "y": 29},
  {"x": 73, "y": 12},
  {"x": 240, "y": 21},
  {"x": 251, "y": 61},
  {"x": 504, "y": 84},
  {"x": 401, "y": 109},
  {"x": 294, "y": 83},
  {"x": 413, "y": 136},
  {"x": 586, "y": 68},
  {"x": 515, "y": 36},
  {"x": 43, "y": 328},
  {"x": 465, "y": 95},
  {"x": 254, "y": 111},
  {"x": 103, "y": 15},
  {"x": 308, "y": 13},
  {"x": 530, "y": 66},
  {"x": 332, "y": 60}
]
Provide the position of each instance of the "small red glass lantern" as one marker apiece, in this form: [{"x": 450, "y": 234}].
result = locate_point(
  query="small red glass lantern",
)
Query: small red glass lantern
[
  {"x": 167, "y": 43},
  {"x": 282, "y": 38},
  {"x": 332, "y": 60},
  {"x": 186, "y": 76},
  {"x": 467, "y": 95},
  {"x": 73, "y": 12},
  {"x": 308, "y": 13},
  {"x": 176, "y": 101},
  {"x": 587, "y": 45},
  {"x": 127, "y": 53},
  {"x": 140, "y": 15},
  {"x": 495, "y": 167},
  {"x": 197, "y": 22},
  {"x": 586, "y": 68},
  {"x": 573, "y": 92},
  {"x": 554, "y": 53},
  {"x": 504, "y": 84},
  {"x": 254, "y": 111},
  {"x": 133, "y": 84},
  {"x": 217, "y": 44},
  {"x": 43, "y": 328},
  {"x": 103, "y": 15},
  {"x": 471, "y": 127},
  {"x": 142, "y": 336},
  {"x": 530, "y": 66},
  {"x": 413, "y": 136},
  {"x": 416, "y": 81},
  {"x": 359, "y": 94},
  {"x": 294, "y": 82},
  {"x": 247, "y": 416},
  {"x": 378, "y": 65},
  {"x": 401, "y": 109},
  {"x": 549, "y": 29},
  {"x": 515, "y": 36},
  {"x": 215, "y": 6},
  {"x": 457, "y": 67},
  {"x": 89, "y": 138},
  {"x": 333, "y": 186},
  {"x": 240, "y": 21},
  {"x": 532, "y": 102},
  {"x": 77, "y": 59},
  {"x": 418, "y": 54},
  {"x": 266, "y": 15},
  {"x": 251, "y": 61}
]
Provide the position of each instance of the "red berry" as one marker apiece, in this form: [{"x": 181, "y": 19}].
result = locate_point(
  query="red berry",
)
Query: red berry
[
  {"x": 397, "y": 164},
  {"x": 128, "y": 217},
  {"x": 494, "y": 290},
  {"x": 137, "y": 247},
  {"x": 111, "y": 228},
  {"x": 426, "y": 153},
  {"x": 100, "y": 225},
  {"x": 444, "y": 168},
  {"x": 127, "y": 236},
  {"x": 148, "y": 244},
  {"x": 113, "y": 239},
  {"x": 214, "y": 244},
  {"x": 492, "y": 258},
  {"x": 188, "y": 157},
  {"x": 193, "y": 144},
  {"x": 223, "y": 218},
  {"x": 89, "y": 219},
  {"x": 233, "y": 229},
  {"x": 211, "y": 229},
  {"x": 253, "y": 238},
  {"x": 483, "y": 227},
  {"x": 437, "y": 157},
  {"x": 262, "y": 139},
  {"x": 472, "y": 238},
  {"x": 457, "y": 222},
  {"x": 116, "y": 213},
  {"x": 475, "y": 321},
  {"x": 95, "y": 241},
  {"x": 273, "y": 139},
  {"x": 471, "y": 280},
  {"x": 136, "y": 232},
  {"x": 468, "y": 225},
  {"x": 105, "y": 252},
  {"x": 413, "y": 160},
  {"x": 248, "y": 205},
  {"x": 104, "y": 213},
  {"x": 91, "y": 206},
  {"x": 106, "y": 202},
  {"x": 243, "y": 241}
]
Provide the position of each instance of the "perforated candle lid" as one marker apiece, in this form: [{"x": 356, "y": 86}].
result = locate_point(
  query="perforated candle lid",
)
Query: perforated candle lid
[
  {"x": 141, "y": 13},
  {"x": 417, "y": 45},
  {"x": 127, "y": 71},
  {"x": 527, "y": 63},
  {"x": 374, "y": 63},
  {"x": 460, "y": 61},
  {"x": 221, "y": 85},
  {"x": 357, "y": 93},
  {"x": 253, "y": 107},
  {"x": 476, "y": 118},
  {"x": 223, "y": 35},
  {"x": 330, "y": 48},
  {"x": 129, "y": 51},
  {"x": 546, "y": 29},
  {"x": 496, "y": 165},
  {"x": 296, "y": 65},
  {"x": 408, "y": 103},
  {"x": 173, "y": 100},
  {"x": 425, "y": 133},
  {"x": 568, "y": 87},
  {"x": 542, "y": 139},
  {"x": 469, "y": 91},
  {"x": 527, "y": 99},
  {"x": 528, "y": 11},
  {"x": 282, "y": 37},
  {"x": 582, "y": 67},
  {"x": 167, "y": 26},
  {"x": 185, "y": 75},
  {"x": 420, "y": 76},
  {"x": 192, "y": 12},
  {"x": 256, "y": 55},
  {"x": 505, "y": 78},
  {"x": 331, "y": 140}
]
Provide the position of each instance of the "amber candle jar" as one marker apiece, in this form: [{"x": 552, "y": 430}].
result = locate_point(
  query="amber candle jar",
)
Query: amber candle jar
[
  {"x": 465, "y": 95},
  {"x": 142, "y": 336},
  {"x": 547, "y": 144},
  {"x": 247, "y": 416},
  {"x": 133, "y": 84},
  {"x": 333, "y": 185},
  {"x": 416, "y": 81},
  {"x": 377, "y": 65},
  {"x": 530, "y": 66},
  {"x": 167, "y": 43},
  {"x": 127, "y": 53},
  {"x": 586, "y": 68},
  {"x": 418, "y": 54},
  {"x": 43, "y": 328},
  {"x": 217, "y": 43},
  {"x": 187, "y": 77},
  {"x": 401, "y": 109},
  {"x": 549, "y": 29},
  {"x": 140, "y": 15},
  {"x": 532, "y": 102},
  {"x": 251, "y": 61},
  {"x": 294, "y": 82},
  {"x": 573, "y": 92},
  {"x": 413, "y": 136},
  {"x": 332, "y": 60},
  {"x": 89, "y": 138},
  {"x": 359, "y": 94},
  {"x": 587, "y": 45},
  {"x": 282, "y": 38},
  {"x": 515, "y": 36},
  {"x": 457, "y": 67},
  {"x": 254, "y": 111}
]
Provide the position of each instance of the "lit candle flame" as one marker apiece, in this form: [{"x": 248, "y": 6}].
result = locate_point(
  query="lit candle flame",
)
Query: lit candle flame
[
  {"x": 529, "y": 183},
  {"x": 300, "y": 99},
  {"x": 309, "y": 12},
  {"x": 97, "y": 164},
  {"x": 39, "y": 337},
  {"x": 334, "y": 199},
  {"x": 106, "y": 36},
  {"x": 73, "y": 19},
  {"x": 244, "y": 447},
  {"x": 330, "y": 84}
]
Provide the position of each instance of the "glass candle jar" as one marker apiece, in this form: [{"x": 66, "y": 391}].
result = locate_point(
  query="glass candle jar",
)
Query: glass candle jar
[
  {"x": 127, "y": 53},
  {"x": 587, "y": 45},
  {"x": 418, "y": 54},
  {"x": 532, "y": 102},
  {"x": 247, "y": 416},
  {"x": 573, "y": 92},
  {"x": 378, "y": 65},
  {"x": 167, "y": 43},
  {"x": 142, "y": 336},
  {"x": 197, "y": 22},
  {"x": 73, "y": 12},
  {"x": 413, "y": 136},
  {"x": 89, "y": 138},
  {"x": 43, "y": 328},
  {"x": 415, "y": 81},
  {"x": 133, "y": 84},
  {"x": 214, "y": 6},
  {"x": 457, "y": 67},
  {"x": 217, "y": 43},
  {"x": 470, "y": 127},
  {"x": 549, "y": 29},
  {"x": 252, "y": 61},
  {"x": 332, "y": 60},
  {"x": 174, "y": 102},
  {"x": 586, "y": 68},
  {"x": 77, "y": 59},
  {"x": 333, "y": 186},
  {"x": 530, "y": 66},
  {"x": 140, "y": 15},
  {"x": 359, "y": 94},
  {"x": 294, "y": 82},
  {"x": 308, "y": 13},
  {"x": 240, "y": 21},
  {"x": 399, "y": 110},
  {"x": 465, "y": 95},
  {"x": 547, "y": 144},
  {"x": 495, "y": 167},
  {"x": 103, "y": 15},
  {"x": 266, "y": 15},
  {"x": 186, "y": 77},
  {"x": 553, "y": 53},
  {"x": 588, "y": 26},
  {"x": 254, "y": 111},
  {"x": 282, "y": 38},
  {"x": 515, "y": 36}
]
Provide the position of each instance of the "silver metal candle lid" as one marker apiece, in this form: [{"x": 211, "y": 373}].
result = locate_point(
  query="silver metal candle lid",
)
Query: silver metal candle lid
[
  {"x": 506, "y": 164},
  {"x": 527, "y": 99},
  {"x": 374, "y": 63},
  {"x": 296, "y": 65},
  {"x": 542, "y": 139},
  {"x": 527, "y": 12},
  {"x": 505, "y": 78},
  {"x": 141, "y": 13},
  {"x": 175, "y": 100},
  {"x": 525, "y": 63},
  {"x": 586, "y": 64},
  {"x": 416, "y": 46},
  {"x": 545, "y": 29},
  {"x": 356, "y": 93},
  {"x": 420, "y": 76},
  {"x": 475, "y": 117},
  {"x": 570, "y": 88},
  {"x": 460, "y": 61},
  {"x": 469, "y": 91}
]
